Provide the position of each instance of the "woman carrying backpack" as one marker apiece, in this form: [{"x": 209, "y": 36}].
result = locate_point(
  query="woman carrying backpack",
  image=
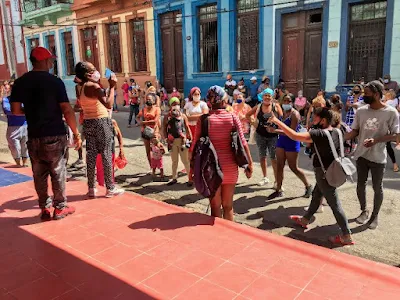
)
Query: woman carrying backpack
[
  {"x": 177, "y": 132},
  {"x": 323, "y": 118},
  {"x": 220, "y": 125}
]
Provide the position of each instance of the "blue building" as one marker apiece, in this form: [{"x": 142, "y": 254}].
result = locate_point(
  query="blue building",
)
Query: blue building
[{"x": 311, "y": 45}]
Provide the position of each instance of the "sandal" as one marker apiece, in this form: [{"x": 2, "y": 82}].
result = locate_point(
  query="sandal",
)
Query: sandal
[
  {"x": 298, "y": 221},
  {"x": 340, "y": 240}
]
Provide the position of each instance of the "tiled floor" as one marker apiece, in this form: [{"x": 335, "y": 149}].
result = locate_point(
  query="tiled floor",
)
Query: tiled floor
[
  {"x": 8, "y": 178},
  {"x": 131, "y": 247}
]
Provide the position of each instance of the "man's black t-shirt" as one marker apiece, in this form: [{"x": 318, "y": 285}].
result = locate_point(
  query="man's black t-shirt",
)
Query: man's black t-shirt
[
  {"x": 322, "y": 143},
  {"x": 41, "y": 93}
]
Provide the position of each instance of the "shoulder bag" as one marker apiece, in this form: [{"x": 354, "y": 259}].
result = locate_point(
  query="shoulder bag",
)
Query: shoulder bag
[{"x": 341, "y": 168}]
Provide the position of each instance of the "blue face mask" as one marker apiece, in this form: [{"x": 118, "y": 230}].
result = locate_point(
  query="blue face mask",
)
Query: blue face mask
[
  {"x": 239, "y": 101},
  {"x": 287, "y": 107}
]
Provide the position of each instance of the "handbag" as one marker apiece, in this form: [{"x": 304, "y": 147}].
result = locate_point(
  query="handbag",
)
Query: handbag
[
  {"x": 148, "y": 132},
  {"x": 341, "y": 167},
  {"x": 237, "y": 147}
]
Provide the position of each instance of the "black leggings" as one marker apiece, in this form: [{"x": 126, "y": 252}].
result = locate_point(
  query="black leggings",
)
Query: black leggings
[{"x": 390, "y": 152}]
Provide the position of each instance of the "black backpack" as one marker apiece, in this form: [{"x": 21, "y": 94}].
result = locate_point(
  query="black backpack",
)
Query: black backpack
[{"x": 207, "y": 172}]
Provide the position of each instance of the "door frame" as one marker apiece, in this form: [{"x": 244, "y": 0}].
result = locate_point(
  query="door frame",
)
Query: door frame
[
  {"x": 82, "y": 42},
  {"x": 344, "y": 36},
  {"x": 278, "y": 36},
  {"x": 158, "y": 40}
]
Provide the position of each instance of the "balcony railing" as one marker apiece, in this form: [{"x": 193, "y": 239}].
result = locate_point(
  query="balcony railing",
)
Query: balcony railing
[{"x": 33, "y": 5}]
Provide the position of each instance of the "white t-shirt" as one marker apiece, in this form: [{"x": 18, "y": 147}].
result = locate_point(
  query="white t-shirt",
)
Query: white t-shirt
[
  {"x": 393, "y": 103},
  {"x": 190, "y": 109}
]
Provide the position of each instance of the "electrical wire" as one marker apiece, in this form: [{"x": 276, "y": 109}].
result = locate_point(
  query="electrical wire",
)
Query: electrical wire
[{"x": 80, "y": 20}]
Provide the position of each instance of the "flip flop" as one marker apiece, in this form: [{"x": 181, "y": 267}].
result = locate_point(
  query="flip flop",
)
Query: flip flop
[
  {"x": 338, "y": 240},
  {"x": 297, "y": 220}
]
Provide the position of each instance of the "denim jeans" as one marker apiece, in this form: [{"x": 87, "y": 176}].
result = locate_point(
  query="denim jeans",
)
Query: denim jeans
[
  {"x": 17, "y": 136},
  {"x": 115, "y": 105},
  {"x": 134, "y": 111},
  {"x": 377, "y": 172},
  {"x": 323, "y": 189},
  {"x": 47, "y": 156}
]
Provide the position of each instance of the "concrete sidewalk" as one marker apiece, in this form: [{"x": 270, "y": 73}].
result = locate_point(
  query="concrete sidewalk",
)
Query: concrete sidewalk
[
  {"x": 253, "y": 208},
  {"x": 131, "y": 247}
]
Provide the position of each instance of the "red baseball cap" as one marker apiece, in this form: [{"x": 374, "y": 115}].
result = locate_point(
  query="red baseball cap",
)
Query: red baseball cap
[{"x": 41, "y": 53}]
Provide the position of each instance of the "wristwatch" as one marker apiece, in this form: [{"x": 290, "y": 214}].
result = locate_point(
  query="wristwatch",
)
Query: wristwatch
[{"x": 77, "y": 135}]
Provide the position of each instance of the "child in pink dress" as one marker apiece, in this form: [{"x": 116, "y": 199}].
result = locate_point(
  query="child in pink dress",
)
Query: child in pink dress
[{"x": 157, "y": 152}]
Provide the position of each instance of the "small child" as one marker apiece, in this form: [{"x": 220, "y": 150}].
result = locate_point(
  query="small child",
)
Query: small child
[{"x": 157, "y": 152}]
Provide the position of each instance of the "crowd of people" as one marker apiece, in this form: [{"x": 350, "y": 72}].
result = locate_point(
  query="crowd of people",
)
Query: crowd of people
[{"x": 278, "y": 122}]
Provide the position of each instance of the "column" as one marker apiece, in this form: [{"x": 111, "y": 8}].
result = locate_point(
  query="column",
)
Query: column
[
  {"x": 225, "y": 36},
  {"x": 267, "y": 37},
  {"x": 124, "y": 46},
  {"x": 59, "y": 53},
  {"x": 395, "y": 55},
  {"x": 100, "y": 42},
  {"x": 188, "y": 31},
  {"x": 334, "y": 26}
]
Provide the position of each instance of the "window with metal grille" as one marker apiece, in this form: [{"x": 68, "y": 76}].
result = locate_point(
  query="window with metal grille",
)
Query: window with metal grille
[
  {"x": 139, "y": 45},
  {"x": 208, "y": 38},
  {"x": 114, "y": 48},
  {"x": 365, "y": 51},
  {"x": 69, "y": 53},
  {"x": 247, "y": 34},
  {"x": 51, "y": 42}
]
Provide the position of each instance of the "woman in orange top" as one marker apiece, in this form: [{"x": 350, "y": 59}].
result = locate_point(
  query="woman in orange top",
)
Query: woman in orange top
[
  {"x": 97, "y": 125},
  {"x": 240, "y": 108},
  {"x": 149, "y": 116}
]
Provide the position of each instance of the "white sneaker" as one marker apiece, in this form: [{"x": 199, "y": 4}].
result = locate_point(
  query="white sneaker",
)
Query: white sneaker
[
  {"x": 78, "y": 163},
  {"x": 263, "y": 181},
  {"x": 114, "y": 192},
  {"x": 92, "y": 193},
  {"x": 320, "y": 209},
  {"x": 276, "y": 187}
]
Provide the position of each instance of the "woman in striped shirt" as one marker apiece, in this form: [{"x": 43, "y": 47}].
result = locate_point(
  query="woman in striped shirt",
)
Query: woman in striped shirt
[{"x": 220, "y": 127}]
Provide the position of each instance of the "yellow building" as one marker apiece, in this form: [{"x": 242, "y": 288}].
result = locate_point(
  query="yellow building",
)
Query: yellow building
[{"x": 118, "y": 35}]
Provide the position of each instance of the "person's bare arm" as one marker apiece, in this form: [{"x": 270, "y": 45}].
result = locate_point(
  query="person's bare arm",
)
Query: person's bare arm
[
  {"x": 119, "y": 138},
  {"x": 188, "y": 131},
  {"x": 17, "y": 109},
  {"x": 279, "y": 110},
  {"x": 69, "y": 116},
  {"x": 310, "y": 110},
  {"x": 303, "y": 137},
  {"x": 251, "y": 113},
  {"x": 351, "y": 135}
]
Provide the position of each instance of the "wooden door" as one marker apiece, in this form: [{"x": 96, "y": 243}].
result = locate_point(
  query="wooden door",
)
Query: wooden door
[
  {"x": 178, "y": 50},
  {"x": 172, "y": 50},
  {"x": 90, "y": 46},
  {"x": 301, "y": 51},
  {"x": 52, "y": 48}
]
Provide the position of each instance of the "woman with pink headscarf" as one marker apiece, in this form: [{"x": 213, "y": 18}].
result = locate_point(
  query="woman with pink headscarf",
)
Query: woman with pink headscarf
[{"x": 195, "y": 108}]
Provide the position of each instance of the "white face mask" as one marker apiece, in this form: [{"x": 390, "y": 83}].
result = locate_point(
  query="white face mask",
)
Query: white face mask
[
  {"x": 386, "y": 81},
  {"x": 196, "y": 98},
  {"x": 240, "y": 86},
  {"x": 95, "y": 76}
]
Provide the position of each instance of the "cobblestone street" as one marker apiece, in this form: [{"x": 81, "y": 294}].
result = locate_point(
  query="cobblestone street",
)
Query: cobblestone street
[{"x": 252, "y": 206}]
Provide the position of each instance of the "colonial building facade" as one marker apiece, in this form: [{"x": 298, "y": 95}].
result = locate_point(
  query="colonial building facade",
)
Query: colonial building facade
[
  {"x": 311, "y": 44},
  {"x": 119, "y": 35},
  {"x": 50, "y": 24},
  {"x": 12, "y": 52}
]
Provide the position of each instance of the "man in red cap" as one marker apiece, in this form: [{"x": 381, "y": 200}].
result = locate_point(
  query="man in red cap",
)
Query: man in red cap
[{"x": 42, "y": 98}]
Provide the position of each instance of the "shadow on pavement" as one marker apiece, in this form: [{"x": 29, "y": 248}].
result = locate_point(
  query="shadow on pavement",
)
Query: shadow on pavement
[
  {"x": 174, "y": 221},
  {"x": 47, "y": 269}
]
